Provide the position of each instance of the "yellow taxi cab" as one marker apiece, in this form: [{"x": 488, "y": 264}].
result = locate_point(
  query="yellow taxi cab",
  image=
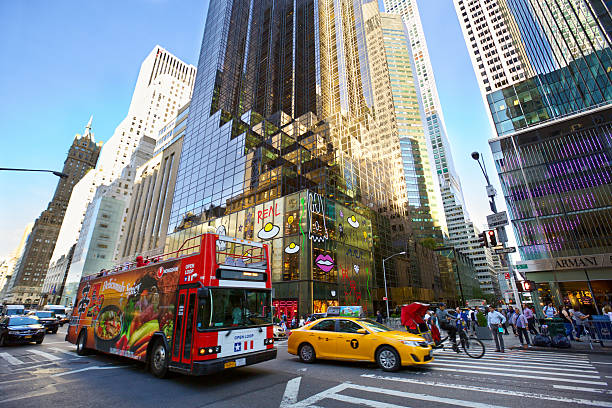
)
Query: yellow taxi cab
[{"x": 358, "y": 339}]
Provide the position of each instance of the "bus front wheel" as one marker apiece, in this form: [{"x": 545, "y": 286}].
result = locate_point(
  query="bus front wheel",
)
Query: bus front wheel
[
  {"x": 81, "y": 342},
  {"x": 159, "y": 359}
]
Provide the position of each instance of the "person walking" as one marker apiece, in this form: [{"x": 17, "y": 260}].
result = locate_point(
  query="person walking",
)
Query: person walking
[
  {"x": 504, "y": 325},
  {"x": 512, "y": 320},
  {"x": 567, "y": 322},
  {"x": 579, "y": 318},
  {"x": 521, "y": 327},
  {"x": 379, "y": 318},
  {"x": 530, "y": 319},
  {"x": 607, "y": 310},
  {"x": 472, "y": 317},
  {"x": 495, "y": 320}
]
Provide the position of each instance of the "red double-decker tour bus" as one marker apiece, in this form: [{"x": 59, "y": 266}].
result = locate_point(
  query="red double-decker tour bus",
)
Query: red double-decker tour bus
[{"x": 198, "y": 310}]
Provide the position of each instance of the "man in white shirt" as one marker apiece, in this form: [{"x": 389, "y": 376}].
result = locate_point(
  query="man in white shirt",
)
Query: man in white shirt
[{"x": 495, "y": 321}]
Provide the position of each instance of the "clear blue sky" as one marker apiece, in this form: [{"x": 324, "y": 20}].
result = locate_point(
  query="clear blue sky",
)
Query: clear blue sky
[{"x": 66, "y": 60}]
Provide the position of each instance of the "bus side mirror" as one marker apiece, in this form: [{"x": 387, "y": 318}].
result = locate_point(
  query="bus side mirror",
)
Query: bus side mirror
[
  {"x": 362, "y": 331},
  {"x": 203, "y": 293}
]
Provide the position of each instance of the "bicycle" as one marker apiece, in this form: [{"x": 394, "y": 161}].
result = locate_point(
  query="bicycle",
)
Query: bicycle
[{"x": 471, "y": 346}]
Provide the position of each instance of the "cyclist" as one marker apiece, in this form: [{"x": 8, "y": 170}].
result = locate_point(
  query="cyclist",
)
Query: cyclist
[{"x": 447, "y": 322}]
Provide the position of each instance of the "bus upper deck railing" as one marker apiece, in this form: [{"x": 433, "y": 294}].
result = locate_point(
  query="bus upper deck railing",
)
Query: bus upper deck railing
[{"x": 238, "y": 257}]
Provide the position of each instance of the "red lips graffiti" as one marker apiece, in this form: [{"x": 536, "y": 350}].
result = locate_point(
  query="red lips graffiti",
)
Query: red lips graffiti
[{"x": 324, "y": 262}]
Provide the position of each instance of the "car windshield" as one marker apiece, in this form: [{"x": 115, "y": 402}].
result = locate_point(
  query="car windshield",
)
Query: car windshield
[
  {"x": 19, "y": 321},
  {"x": 45, "y": 314},
  {"x": 14, "y": 312},
  {"x": 234, "y": 308},
  {"x": 375, "y": 327}
]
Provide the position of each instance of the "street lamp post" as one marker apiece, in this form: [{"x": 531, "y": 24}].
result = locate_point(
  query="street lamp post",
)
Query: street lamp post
[
  {"x": 57, "y": 173},
  {"x": 491, "y": 193},
  {"x": 385, "y": 278}
]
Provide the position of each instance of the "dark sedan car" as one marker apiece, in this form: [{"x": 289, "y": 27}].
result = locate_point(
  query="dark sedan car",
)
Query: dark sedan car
[
  {"x": 20, "y": 329},
  {"x": 47, "y": 318}
]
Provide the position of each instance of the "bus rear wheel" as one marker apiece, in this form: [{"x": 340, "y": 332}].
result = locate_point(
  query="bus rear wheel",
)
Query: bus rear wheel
[
  {"x": 159, "y": 359},
  {"x": 81, "y": 342}
]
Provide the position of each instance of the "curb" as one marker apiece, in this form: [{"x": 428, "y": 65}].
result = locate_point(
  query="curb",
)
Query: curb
[{"x": 565, "y": 351}]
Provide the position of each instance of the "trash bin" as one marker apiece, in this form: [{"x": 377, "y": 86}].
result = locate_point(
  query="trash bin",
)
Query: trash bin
[{"x": 555, "y": 326}]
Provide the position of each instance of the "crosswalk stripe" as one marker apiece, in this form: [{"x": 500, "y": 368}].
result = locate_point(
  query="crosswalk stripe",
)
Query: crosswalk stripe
[
  {"x": 11, "y": 360},
  {"x": 530, "y": 366},
  {"x": 48, "y": 356},
  {"x": 491, "y": 390},
  {"x": 522, "y": 376},
  {"x": 516, "y": 358},
  {"x": 585, "y": 389},
  {"x": 514, "y": 370},
  {"x": 362, "y": 401},
  {"x": 530, "y": 354},
  {"x": 423, "y": 397},
  {"x": 553, "y": 366},
  {"x": 69, "y": 352}
]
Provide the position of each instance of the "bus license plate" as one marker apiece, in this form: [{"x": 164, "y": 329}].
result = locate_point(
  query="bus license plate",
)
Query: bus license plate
[
  {"x": 240, "y": 362},
  {"x": 230, "y": 364}
]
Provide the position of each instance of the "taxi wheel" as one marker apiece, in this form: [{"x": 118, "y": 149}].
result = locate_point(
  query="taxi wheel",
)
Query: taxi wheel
[
  {"x": 307, "y": 353},
  {"x": 388, "y": 359}
]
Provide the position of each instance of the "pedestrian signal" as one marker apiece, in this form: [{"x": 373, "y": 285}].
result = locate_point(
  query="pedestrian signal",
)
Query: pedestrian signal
[
  {"x": 482, "y": 239},
  {"x": 528, "y": 286}
]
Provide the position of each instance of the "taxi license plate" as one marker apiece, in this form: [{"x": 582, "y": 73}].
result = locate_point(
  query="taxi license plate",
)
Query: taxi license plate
[
  {"x": 27, "y": 337},
  {"x": 230, "y": 364}
]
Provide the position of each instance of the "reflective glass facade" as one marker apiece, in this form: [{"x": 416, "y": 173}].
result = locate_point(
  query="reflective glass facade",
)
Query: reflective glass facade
[
  {"x": 557, "y": 182},
  {"x": 282, "y": 117}
]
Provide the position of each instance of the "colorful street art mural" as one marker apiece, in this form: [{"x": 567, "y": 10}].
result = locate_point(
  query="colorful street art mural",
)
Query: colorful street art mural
[{"x": 311, "y": 238}]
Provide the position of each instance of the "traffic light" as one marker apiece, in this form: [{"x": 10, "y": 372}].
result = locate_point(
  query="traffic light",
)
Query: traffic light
[
  {"x": 482, "y": 239},
  {"x": 492, "y": 239},
  {"x": 528, "y": 286}
]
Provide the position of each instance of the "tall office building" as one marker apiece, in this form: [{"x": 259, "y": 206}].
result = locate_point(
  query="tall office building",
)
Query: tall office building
[
  {"x": 278, "y": 148},
  {"x": 82, "y": 156},
  {"x": 459, "y": 230},
  {"x": 14, "y": 261},
  {"x": 164, "y": 84},
  {"x": 553, "y": 148}
]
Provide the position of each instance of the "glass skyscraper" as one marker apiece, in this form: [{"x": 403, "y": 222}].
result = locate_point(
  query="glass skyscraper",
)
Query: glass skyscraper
[
  {"x": 278, "y": 148},
  {"x": 553, "y": 149}
]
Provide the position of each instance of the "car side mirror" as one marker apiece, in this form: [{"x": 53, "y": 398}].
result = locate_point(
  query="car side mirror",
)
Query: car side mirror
[{"x": 362, "y": 331}]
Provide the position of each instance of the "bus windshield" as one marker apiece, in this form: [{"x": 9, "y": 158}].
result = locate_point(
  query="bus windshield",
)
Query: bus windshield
[{"x": 234, "y": 308}]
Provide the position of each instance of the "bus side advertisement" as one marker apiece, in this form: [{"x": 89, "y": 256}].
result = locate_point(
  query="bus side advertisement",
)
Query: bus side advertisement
[{"x": 121, "y": 312}]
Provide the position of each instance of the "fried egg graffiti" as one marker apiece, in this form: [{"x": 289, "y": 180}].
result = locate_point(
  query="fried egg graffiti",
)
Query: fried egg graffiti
[
  {"x": 292, "y": 248},
  {"x": 269, "y": 231},
  {"x": 353, "y": 221}
]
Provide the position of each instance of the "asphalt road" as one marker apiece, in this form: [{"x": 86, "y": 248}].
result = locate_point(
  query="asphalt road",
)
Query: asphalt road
[{"x": 53, "y": 375}]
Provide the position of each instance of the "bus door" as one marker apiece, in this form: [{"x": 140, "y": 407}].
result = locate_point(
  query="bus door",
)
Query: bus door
[{"x": 182, "y": 346}]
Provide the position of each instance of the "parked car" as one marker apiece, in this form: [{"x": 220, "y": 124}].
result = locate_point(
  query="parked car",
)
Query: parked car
[
  {"x": 20, "y": 329},
  {"x": 47, "y": 319}
]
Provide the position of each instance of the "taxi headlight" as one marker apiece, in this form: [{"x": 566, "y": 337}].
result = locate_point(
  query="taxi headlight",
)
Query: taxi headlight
[{"x": 410, "y": 343}]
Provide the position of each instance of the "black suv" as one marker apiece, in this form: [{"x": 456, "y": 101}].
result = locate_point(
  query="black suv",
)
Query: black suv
[
  {"x": 46, "y": 318},
  {"x": 20, "y": 329}
]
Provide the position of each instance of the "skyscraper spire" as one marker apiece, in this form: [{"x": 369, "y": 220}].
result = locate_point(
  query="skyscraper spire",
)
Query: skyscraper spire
[{"x": 88, "y": 127}]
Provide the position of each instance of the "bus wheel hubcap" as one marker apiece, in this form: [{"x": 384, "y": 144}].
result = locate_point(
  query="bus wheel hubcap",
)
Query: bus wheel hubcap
[
  {"x": 387, "y": 359},
  {"x": 160, "y": 357}
]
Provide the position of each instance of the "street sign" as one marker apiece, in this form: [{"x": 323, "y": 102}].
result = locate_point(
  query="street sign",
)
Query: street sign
[
  {"x": 508, "y": 250},
  {"x": 496, "y": 220},
  {"x": 521, "y": 266}
]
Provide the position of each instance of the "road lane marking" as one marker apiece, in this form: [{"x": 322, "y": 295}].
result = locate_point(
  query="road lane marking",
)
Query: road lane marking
[
  {"x": 11, "y": 360},
  {"x": 491, "y": 390},
  {"x": 364, "y": 402},
  {"x": 422, "y": 397},
  {"x": 291, "y": 392},
  {"x": 86, "y": 369},
  {"x": 585, "y": 389},
  {"x": 46, "y": 390},
  {"x": 520, "y": 377},
  {"x": 514, "y": 370},
  {"x": 48, "y": 356},
  {"x": 600, "y": 362},
  {"x": 525, "y": 365}
]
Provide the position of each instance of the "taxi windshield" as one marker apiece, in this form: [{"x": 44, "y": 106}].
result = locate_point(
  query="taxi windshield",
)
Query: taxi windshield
[{"x": 375, "y": 327}]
